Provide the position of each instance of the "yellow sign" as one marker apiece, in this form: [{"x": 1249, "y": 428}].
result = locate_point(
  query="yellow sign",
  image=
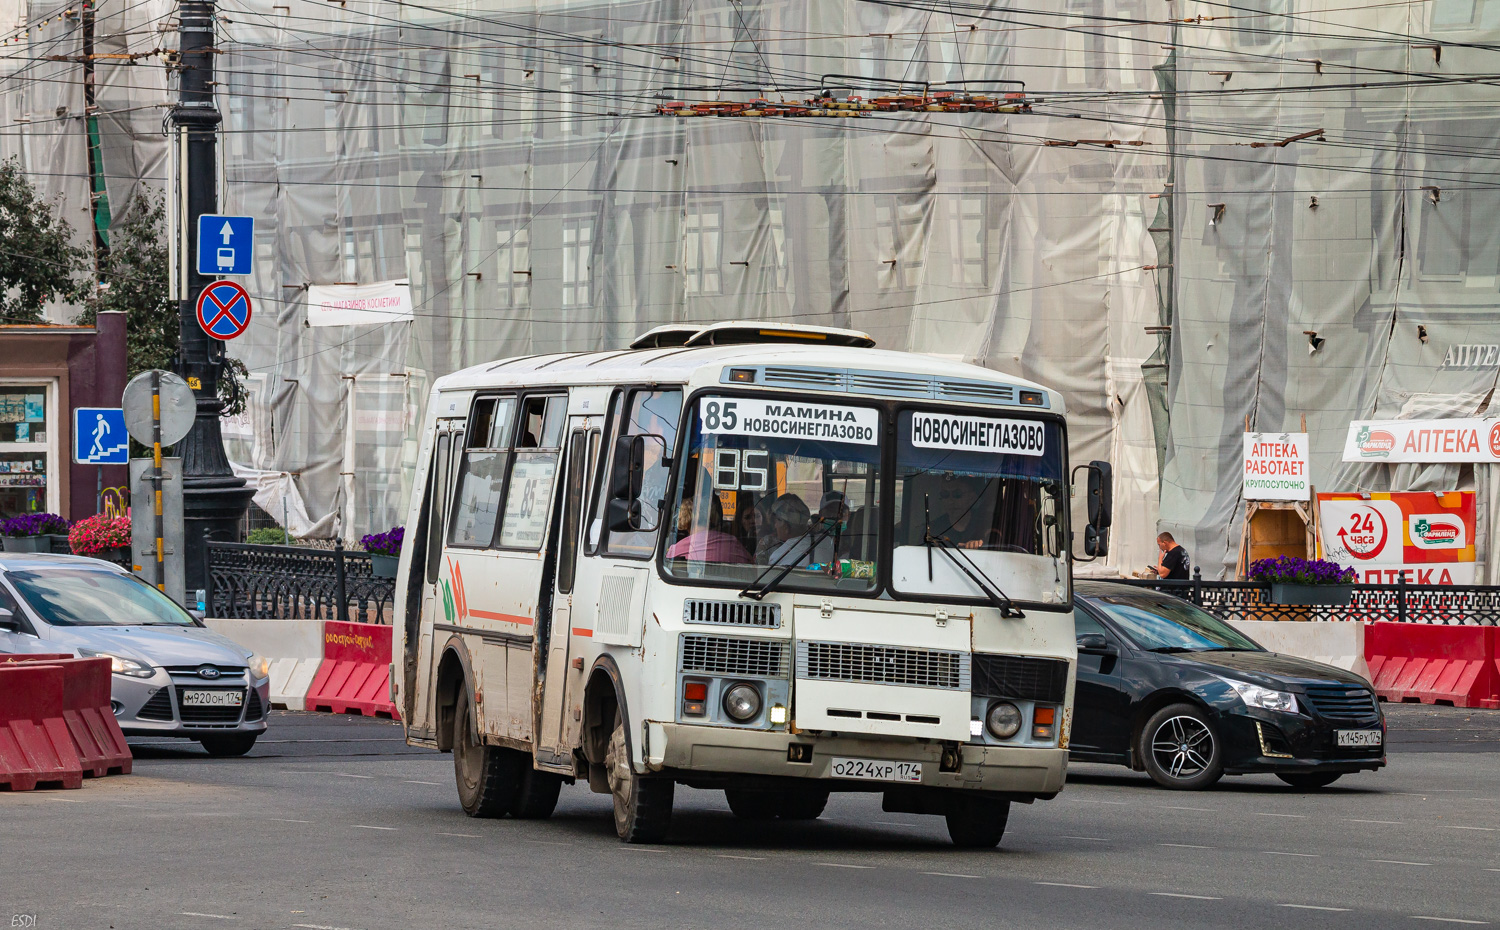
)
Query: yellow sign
[{"x": 194, "y": 383}]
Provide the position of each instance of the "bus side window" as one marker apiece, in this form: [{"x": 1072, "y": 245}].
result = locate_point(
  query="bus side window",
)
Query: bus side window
[
  {"x": 646, "y": 413},
  {"x": 528, "y": 497},
  {"x": 482, "y": 473},
  {"x": 438, "y": 505},
  {"x": 567, "y": 551}
]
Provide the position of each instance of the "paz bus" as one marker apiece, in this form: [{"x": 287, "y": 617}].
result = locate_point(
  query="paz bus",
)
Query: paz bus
[{"x": 773, "y": 562}]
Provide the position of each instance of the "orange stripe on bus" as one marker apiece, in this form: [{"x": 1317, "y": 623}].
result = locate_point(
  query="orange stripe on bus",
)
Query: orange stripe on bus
[
  {"x": 502, "y": 618},
  {"x": 580, "y": 631}
]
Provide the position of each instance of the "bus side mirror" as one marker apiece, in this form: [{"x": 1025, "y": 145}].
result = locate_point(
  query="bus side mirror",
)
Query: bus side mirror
[
  {"x": 625, "y": 512},
  {"x": 1100, "y": 506}
]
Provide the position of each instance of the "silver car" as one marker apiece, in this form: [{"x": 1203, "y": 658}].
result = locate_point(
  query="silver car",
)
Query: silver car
[{"x": 172, "y": 675}]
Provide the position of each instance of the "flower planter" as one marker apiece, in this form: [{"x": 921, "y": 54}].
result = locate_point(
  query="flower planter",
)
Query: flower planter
[
  {"x": 58, "y": 542},
  {"x": 1337, "y": 595},
  {"x": 384, "y": 566},
  {"x": 27, "y": 544}
]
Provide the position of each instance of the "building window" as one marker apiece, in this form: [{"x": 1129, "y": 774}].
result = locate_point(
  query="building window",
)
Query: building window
[
  {"x": 513, "y": 266},
  {"x": 567, "y": 100},
  {"x": 1261, "y": 23},
  {"x": 970, "y": 232},
  {"x": 898, "y": 231},
  {"x": 701, "y": 235},
  {"x": 778, "y": 242},
  {"x": 1456, "y": 14},
  {"x": 578, "y": 241},
  {"x": 28, "y": 460}
]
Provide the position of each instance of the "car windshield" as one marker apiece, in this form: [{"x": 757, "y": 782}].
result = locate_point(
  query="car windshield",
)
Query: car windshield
[
  {"x": 96, "y": 597},
  {"x": 1159, "y": 623},
  {"x": 991, "y": 487},
  {"x": 767, "y": 484}
]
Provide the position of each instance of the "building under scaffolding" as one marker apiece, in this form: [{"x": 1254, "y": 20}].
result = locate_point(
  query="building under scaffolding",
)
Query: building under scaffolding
[{"x": 1206, "y": 212}]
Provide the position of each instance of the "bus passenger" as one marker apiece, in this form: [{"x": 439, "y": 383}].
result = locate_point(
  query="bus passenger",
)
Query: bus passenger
[
  {"x": 792, "y": 542},
  {"x": 706, "y": 540}
]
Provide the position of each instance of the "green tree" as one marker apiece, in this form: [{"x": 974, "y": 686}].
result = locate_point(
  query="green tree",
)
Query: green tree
[
  {"x": 134, "y": 279},
  {"x": 38, "y": 261}
]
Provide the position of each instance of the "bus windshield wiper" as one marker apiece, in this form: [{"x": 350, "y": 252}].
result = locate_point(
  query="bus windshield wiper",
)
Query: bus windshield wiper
[
  {"x": 966, "y": 565},
  {"x": 818, "y": 532}
]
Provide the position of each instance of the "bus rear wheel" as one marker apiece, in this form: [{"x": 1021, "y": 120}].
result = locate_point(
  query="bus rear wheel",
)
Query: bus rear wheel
[
  {"x": 977, "y": 822},
  {"x": 643, "y": 806},
  {"x": 487, "y": 776},
  {"x": 536, "y": 796}
]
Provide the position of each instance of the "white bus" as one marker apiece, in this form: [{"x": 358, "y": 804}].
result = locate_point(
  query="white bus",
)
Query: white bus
[{"x": 775, "y": 562}]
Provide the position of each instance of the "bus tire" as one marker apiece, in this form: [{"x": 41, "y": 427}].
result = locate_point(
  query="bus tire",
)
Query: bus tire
[
  {"x": 643, "y": 806},
  {"x": 804, "y": 805},
  {"x": 976, "y": 822},
  {"x": 752, "y": 805},
  {"x": 536, "y": 796},
  {"x": 487, "y": 776}
]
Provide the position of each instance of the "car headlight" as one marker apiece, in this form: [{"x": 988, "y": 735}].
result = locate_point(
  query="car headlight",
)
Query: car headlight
[
  {"x": 1003, "y": 720},
  {"x": 259, "y": 667},
  {"x": 1264, "y": 698},
  {"x": 120, "y": 665},
  {"x": 742, "y": 703}
]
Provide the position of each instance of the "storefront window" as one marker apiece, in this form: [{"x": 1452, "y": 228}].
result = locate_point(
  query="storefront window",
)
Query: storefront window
[{"x": 23, "y": 449}]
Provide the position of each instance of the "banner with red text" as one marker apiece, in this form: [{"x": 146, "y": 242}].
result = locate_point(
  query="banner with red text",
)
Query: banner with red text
[
  {"x": 1469, "y": 440},
  {"x": 358, "y": 304},
  {"x": 1426, "y": 536},
  {"x": 1276, "y": 467}
]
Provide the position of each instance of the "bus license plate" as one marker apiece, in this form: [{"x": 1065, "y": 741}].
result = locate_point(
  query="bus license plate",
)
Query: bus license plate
[
  {"x": 1358, "y": 737},
  {"x": 212, "y": 698},
  {"x": 876, "y": 770}
]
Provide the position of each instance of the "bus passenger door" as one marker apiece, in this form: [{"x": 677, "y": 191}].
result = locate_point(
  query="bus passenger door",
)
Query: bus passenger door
[
  {"x": 449, "y": 437},
  {"x": 559, "y": 680}
]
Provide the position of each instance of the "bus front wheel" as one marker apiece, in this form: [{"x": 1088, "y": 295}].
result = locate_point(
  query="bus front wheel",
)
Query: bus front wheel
[
  {"x": 977, "y": 822},
  {"x": 487, "y": 776},
  {"x": 643, "y": 806}
]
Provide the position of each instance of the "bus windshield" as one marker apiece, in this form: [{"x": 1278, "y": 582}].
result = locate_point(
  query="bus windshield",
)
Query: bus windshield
[
  {"x": 765, "y": 484},
  {"x": 991, "y": 493}
]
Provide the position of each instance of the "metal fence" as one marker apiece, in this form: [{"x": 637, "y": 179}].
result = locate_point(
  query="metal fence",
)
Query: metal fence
[
  {"x": 1449, "y": 605},
  {"x": 295, "y": 583}
]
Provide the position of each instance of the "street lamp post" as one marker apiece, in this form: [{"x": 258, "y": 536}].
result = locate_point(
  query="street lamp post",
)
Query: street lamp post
[{"x": 214, "y": 500}]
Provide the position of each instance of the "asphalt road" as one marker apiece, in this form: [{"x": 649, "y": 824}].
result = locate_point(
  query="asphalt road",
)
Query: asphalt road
[{"x": 334, "y": 823}]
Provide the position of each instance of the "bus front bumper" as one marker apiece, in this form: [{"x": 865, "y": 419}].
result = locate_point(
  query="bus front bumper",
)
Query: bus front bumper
[{"x": 1038, "y": 772}]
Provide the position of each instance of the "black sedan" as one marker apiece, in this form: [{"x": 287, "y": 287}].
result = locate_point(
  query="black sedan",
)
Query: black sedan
[{"x": 1167, "y": 688}]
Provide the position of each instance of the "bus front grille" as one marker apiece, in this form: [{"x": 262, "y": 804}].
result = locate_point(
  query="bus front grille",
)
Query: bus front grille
[
  {"x": 883, "y": 665},
  {"x": 731, "y": 613},
  {"x": 728, "y": 655}
]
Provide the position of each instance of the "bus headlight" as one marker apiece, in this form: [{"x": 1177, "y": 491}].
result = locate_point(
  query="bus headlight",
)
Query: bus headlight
[
  {"x": 742, "y": 703},
  {"x": 1003, "y": 720}
]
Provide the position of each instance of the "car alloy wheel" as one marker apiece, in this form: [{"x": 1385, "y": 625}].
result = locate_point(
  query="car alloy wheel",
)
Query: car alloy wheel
[{"x": 1181, "y": 750}]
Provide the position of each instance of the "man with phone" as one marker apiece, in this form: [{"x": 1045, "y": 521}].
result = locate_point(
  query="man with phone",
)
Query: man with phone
[{"x": 1174, "y": 563}]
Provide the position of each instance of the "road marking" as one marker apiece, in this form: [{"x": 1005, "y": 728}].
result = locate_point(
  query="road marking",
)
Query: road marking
[
  {"x": 644, "y": 849},
  {"x": 68, "y": 800},
  {"x": 1092, "y": 839},
  {"x": 1064, "y": 885},
  {"x": 1492, "y": 870},
  {"x": 1094, "y": 801},
  {"x": 214, "y": 916},
  {"x": 950, "y": 875},
  {"x": 1201, "y": 810},
  {"x": 1191, "y": 897},
  {"x": 1301, "y": 855},
  {"x": 1185, "y": 846},
  {"x": 287, "y": 820},
  {"x": 746, "y": 858},
  {"x": 1352, "y": 820},
  {"x": 433, "y": 783},
  {"x": 1397, "y": 862},
  {"x": 320, "y": 927},
  {"x": 892, "y": 823},
  {"x": 470, "y": 836},
  {"x": 1314, "y": 907},
  {"x": 1452, "y": 920},
  {"x": 342, "y": 775},
  {"x": 361, "y": 826},
  {"x": 1456, "y": 827},
  {"x": 1293, "y": 816},
  {"x": 844, "y": 865}
]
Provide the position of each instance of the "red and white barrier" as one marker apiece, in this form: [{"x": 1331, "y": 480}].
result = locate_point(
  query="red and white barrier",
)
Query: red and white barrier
[
  {"x": 321, "y": 665},
  {"x": 294, "y": 649},
  {"x": 56, "y": 725},
  {"x": 1458, "y": 665}
]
